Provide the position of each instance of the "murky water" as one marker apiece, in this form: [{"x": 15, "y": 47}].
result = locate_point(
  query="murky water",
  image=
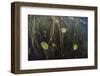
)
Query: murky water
[{"x": 57, "y": 37}]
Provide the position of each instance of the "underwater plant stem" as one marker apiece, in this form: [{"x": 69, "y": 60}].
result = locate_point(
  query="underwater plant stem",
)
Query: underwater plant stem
[
  {"x": 60, "y": 37},
  {"x": 52, "y": 30}
]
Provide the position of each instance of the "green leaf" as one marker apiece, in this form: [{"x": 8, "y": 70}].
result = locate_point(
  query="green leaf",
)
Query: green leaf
[
  {"x": 75, "y": 46},
  {"x": 44, "y": 45}
]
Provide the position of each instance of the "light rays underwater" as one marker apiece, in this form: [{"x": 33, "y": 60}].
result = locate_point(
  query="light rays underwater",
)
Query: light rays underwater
[{"x": 57, "y": 37}]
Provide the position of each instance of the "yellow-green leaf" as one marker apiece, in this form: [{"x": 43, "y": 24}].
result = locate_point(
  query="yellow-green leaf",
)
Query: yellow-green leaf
[
  {"x": 75, "y": 46},
  {"x": 44, "y": 45}
]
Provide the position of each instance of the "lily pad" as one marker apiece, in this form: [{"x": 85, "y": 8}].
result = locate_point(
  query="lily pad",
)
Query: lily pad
[
  {"x": 75, "y": 46},
  {"x": 44, "y": 45}
]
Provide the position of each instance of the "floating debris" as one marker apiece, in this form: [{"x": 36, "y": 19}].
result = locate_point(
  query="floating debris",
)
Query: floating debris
[
  {"x": 44, "y": 45},
  {"x": 75, "y": 46}
]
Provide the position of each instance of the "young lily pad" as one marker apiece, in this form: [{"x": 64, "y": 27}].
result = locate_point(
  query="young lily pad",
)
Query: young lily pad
[
  {"x": 75, "y": 46},
  {"x": 44, "y": 45}
]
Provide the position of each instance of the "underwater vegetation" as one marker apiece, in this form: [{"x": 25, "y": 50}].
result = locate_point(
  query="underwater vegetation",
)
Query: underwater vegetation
[{"x": 57, "y": 37}]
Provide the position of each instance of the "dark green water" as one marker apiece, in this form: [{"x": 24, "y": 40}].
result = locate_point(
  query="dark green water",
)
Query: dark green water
[{"x": 57, "y": 37}]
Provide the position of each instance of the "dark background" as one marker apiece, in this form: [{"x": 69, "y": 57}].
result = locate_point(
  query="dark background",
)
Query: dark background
[{"x": 60, "y": 45}]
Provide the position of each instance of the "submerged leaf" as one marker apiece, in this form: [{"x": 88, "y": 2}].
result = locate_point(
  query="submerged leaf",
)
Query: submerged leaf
[
  {"x": 75, "y": 46},
  {"x": 44, "y": 45}
]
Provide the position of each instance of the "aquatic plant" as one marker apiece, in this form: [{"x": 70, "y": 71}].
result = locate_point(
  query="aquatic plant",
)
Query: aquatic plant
[
  {"x": 75, "y": 46},
  {"x": 57, "y": 37},
  {"x": 44, "y": 45}
]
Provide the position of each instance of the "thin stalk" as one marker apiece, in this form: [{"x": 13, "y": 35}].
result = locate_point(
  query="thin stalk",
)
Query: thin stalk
[{"x": 52, "y": 30}]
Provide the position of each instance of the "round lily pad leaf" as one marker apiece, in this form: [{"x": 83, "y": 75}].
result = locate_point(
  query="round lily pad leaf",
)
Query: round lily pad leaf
[
  {"x": 75, "y": 46},
  {"x": 44, "y": 45}
]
